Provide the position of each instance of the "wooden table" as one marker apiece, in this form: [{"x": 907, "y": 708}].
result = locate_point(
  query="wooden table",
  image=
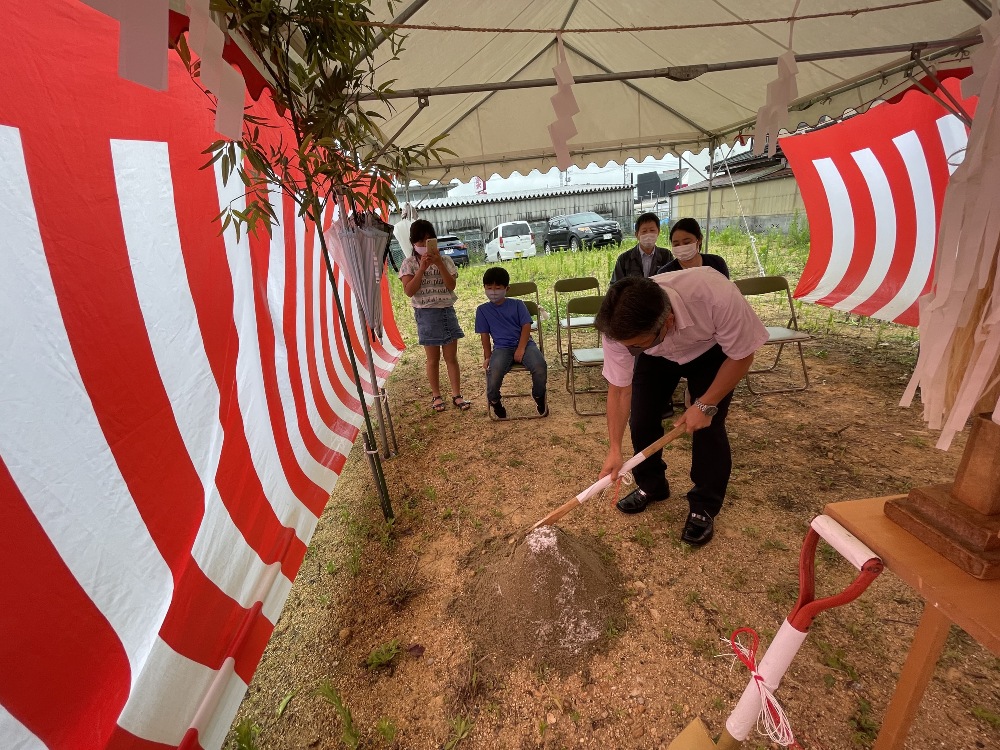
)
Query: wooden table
[{"x": 950, "y": 596}]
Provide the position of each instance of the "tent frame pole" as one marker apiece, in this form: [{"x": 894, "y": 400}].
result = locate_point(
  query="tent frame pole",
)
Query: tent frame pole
[
  {"x": 680, "y": 72},
  {"x": 708, "y": 198}
]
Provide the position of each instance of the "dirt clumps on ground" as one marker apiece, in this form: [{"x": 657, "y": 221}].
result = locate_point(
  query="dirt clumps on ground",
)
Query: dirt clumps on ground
[{"x": 551, "y": 602}]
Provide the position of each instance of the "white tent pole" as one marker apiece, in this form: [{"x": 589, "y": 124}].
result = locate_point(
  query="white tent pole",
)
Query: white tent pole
[{"x": 678, "y": 72}]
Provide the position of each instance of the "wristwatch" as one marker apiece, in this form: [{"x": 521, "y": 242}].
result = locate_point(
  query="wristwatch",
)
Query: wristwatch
[{"x": 707, "y": 409}]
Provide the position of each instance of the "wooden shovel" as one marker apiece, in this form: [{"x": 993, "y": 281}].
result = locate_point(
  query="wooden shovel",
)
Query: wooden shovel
[{"x": 603, "y": 482}]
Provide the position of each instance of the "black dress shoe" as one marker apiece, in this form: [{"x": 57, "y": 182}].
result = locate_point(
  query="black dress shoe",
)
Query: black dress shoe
[
  {"x": 698, "y": 530},
  {"x": 499, "y": 410},
  {"x": 637, "y": 500}
]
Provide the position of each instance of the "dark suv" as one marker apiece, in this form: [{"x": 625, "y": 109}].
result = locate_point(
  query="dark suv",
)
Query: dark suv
[
  {"x": 585, "y": 230},
  {"x": 454, "y": 248}
]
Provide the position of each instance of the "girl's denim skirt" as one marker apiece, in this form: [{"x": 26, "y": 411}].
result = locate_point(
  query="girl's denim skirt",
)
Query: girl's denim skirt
[{"x": 437, "y": 326}]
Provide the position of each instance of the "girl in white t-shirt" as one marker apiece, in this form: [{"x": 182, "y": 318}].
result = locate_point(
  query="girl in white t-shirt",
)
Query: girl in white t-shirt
[{"x": 429, "y": 281}]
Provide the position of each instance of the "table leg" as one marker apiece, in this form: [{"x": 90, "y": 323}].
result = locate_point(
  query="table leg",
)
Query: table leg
[{"x": 917, "y": 671}]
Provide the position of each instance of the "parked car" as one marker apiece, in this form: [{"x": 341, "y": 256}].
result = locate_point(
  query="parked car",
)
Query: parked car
[
  {"x": 512, "y": 239},
  {"x": 586, "y": 230},
  {"x": 454, "y": 248}
]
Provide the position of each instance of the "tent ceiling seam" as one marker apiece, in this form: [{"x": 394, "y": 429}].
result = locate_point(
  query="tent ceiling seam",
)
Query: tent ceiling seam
[{"x": 638, "y": 90}]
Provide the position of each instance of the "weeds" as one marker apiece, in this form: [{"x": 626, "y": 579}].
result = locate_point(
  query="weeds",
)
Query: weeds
[
  {"x": 382, "y": 656},
  {"x": 386, "y": 729},
  {"x": 246, "y": 735},
  {"x": 461, "y": 728},
  {"x": 403, "y": 588},
  {"x": 865, "y": 726},
  {"x": 644, "y": 537},
  {"x": 834, "y": 658},
  {"x": 349, "y": 735},
  {"x": 284, "y": 703},
  {"x": 985, "y": 715}
]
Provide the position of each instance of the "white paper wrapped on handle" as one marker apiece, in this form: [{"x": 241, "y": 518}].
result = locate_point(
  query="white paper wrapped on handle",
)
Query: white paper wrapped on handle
[
  {"x": 772, "y": 668},
  {"x": 853, "y": 549}
]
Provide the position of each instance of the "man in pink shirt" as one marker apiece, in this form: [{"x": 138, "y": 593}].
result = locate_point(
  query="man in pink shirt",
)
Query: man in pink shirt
[{"x": 698, "y": 322}]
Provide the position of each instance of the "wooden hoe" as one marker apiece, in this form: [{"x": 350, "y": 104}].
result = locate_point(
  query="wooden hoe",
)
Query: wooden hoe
[{"x": 599, "y": 486}]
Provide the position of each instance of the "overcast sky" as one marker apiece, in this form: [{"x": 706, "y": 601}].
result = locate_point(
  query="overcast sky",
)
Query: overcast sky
[{"x": 612, "y": 174}]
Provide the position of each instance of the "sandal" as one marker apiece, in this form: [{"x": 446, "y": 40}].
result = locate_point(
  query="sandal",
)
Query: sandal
[
  {"x": 461, "y": 403},
  {"x": 437, "y": 404}
]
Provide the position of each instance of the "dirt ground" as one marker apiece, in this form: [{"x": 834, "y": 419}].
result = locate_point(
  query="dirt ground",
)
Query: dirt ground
[{"x": 387, "y": 615}]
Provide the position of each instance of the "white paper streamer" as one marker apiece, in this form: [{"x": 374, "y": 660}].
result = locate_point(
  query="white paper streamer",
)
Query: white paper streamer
[
  {"x": 206, "y": 39},
  {"x": 142, "y": 41},
  {"x": 960, "y": 317},
  {"x": 565, "y": 106}
]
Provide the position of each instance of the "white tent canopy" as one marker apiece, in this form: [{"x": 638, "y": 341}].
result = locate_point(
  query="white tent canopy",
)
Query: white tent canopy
[{"x": 499, "y": 132}]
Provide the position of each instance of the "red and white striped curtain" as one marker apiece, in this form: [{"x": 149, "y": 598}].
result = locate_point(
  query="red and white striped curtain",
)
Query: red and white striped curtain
[
  {"x": 873, "y": 187},
  {"x": 175, "y": 404}
]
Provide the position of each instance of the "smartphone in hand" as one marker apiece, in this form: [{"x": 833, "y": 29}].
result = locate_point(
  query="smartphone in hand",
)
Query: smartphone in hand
[{"x": 432, "y": 246}]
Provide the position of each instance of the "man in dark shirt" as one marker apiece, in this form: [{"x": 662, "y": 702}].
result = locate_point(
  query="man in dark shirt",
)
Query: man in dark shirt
[{"x": 645, "y": 258}]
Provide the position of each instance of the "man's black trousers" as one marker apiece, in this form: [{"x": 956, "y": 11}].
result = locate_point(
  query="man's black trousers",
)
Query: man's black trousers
[{"x": 653, "y": 385}]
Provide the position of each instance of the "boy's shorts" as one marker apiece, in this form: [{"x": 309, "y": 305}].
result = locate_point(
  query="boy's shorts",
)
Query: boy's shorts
[{"x": 437, "y": 326}]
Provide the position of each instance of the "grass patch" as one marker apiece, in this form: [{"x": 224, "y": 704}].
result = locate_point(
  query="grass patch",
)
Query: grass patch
[
  {"x": 382, "y": 656},
  {"x": 350, "y": 737}
]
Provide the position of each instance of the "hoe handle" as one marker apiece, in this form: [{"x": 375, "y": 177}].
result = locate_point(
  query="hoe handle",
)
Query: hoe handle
[{"x": 603, "y": 482}]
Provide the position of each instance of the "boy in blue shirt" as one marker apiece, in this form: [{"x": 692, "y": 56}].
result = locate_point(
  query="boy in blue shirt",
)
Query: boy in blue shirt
[{"x": 508, "y": 323}]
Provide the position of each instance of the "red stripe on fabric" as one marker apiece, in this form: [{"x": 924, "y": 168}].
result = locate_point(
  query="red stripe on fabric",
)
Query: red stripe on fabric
[
  {"x": 129, "y": 399},
  {"x": 329, "y": 310},
  {"x": 211, "y": 288},
  {"x": 66, "y": 675},
  {"x": 122, "y": 739},
  {"x": 801, "y": 152},
  {"x": 310, "y": 494},
  {"x": 341, "y": 342},
  {"x": 863, "y": 213},
  {"x": 906, "y": 227},
  {"x": 299, "y": 257}
]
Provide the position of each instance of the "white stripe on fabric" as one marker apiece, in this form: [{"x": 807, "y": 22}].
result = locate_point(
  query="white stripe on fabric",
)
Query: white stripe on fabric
[
  {"x": 954, "y": 138},
  {"x": 885, "y": 230},
  {"x": 213, "y": 734},
  {"x": 842, "y": 224},
  {"x": 54, "y": 446},
  {"x": 362, "y": 328},
  {"x": 325, "y": 381},
  {"x": 164, "y": 701},
  {"x": 912, "y": 151},
  {"x": 145, "y": 189},
  {"x": 250, "y": 380},
  {"x": 14, "y": 734},
  {"x": 321, "y": 474},
  {"x": 362, "y": 368}
]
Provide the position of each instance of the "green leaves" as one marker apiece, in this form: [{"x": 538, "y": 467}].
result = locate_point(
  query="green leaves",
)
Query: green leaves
[{"x": 320, "y": 56}]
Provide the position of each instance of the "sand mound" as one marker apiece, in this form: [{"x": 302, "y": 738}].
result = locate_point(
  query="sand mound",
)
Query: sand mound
[{"x": 552, "y": 601}]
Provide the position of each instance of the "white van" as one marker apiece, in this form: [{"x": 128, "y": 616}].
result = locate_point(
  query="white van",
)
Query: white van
[{"x": 512, "y": 239}]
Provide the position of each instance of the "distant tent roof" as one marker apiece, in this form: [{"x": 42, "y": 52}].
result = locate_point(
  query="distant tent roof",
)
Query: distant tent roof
[{"x": 506, "y": 131}]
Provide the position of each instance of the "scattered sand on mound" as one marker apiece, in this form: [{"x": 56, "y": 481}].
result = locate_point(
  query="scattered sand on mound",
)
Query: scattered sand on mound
[{"x": 553, "y": 602}]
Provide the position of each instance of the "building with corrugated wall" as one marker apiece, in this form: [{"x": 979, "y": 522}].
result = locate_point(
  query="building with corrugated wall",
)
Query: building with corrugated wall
[
  {"x": 472, "y": 217},
  {"x": 760, "y": 188}
]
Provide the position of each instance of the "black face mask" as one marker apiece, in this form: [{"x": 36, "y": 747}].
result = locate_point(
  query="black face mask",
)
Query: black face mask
[{"x": 635, "y": 351}]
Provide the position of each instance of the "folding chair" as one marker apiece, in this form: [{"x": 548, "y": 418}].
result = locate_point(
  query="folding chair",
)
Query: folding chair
[
  {"x": 565, "y": 322},
  {"x": 779, "y": 336},
  {"x": 579, "y": 358},
  {"x": 529, "y": 289},
  {"x": 524, "y": 288}
]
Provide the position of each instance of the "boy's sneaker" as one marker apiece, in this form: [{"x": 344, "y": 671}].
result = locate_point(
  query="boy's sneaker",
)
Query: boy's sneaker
[
  {"x": 499, "y": 410},
  {"x": 540, "y": 404}
]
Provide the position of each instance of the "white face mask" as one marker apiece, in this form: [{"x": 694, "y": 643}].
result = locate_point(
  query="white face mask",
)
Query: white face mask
[
  {"x": 686, "y": 252},
  {"x": 647, "y": 241},
  {"x": 496, "y": 295},
  {"x": 419, "y": 250}
]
